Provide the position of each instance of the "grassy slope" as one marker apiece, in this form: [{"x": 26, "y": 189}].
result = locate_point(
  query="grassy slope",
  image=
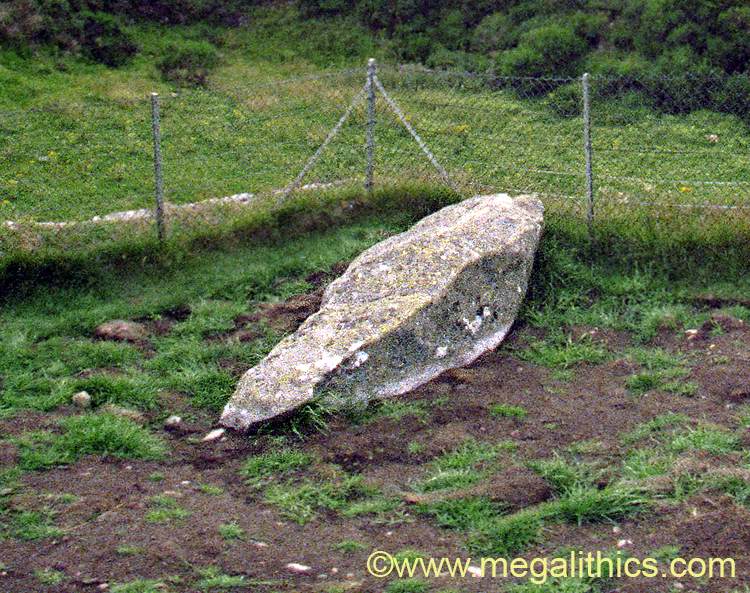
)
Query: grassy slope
[{"x": 78, "y": 135}]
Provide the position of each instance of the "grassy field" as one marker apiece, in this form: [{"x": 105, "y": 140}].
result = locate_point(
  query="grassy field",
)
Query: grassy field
[
  {"x": 77, "y": 137},
  {"x": 495, "y": 459}
]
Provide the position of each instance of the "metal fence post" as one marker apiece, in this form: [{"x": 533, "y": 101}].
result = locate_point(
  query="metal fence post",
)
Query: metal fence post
[
  {"x": 587, "y": 149},
  {"x": 158, "y": 180},
  {"x": 370, "y": 139}
]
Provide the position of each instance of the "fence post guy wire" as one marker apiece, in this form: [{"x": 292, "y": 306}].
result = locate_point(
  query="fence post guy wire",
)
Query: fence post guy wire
[
  {"x": 158, "y": 179},
  {"x": 370, "y": 139},
  {"x": 331, "y": 135},
  {"x": 400, "y": 115},
  {"x": 587, "y": 149}
]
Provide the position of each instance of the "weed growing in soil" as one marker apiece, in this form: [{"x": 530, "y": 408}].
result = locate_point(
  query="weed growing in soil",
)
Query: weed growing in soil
[
  {"x": 139, "y": 586},
  {"x": 231, "y": 531},
  {"x": 28, "y": 525},
  {"x": 592, "y": 505},
  {"x": 459, "y": 468},
  {"x": 462, "y": 513},
  {"x": 349, "y": 546},
  {"x": 640, "y": 464},
  {"x": 710, "y": 439},
  {"x": 564, "y": 476},
  {"x": 407, "y": 586},
  {"x": 49, "y": 576},
  {"x": 300, "y": 502},
  {"x": 129, "y": 550},
  {"x": 506, "y": 535},
  {"x": 275, "y": 464},
  {"x": 655, "y": 427},
  {"x": 165, "y": 509},
  {"x": 213, "y": 578},
  {"x": 508, "y": 411},
  {"x": 562, "y": 352},
  {"x": 210, "y": 489}
]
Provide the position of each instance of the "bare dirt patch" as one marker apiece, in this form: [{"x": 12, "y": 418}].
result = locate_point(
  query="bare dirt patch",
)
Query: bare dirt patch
[{"x": 103, "y": 505}]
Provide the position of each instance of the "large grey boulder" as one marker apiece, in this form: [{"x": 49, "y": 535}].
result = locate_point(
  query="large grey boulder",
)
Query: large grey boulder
[{"x": 432, "y": 298}]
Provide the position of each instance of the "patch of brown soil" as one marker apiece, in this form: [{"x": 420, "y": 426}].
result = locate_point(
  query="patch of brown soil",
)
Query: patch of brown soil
[{"x": 113, "y": 497}]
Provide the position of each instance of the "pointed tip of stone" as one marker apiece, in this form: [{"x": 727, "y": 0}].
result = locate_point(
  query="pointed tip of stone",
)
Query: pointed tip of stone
[{"x": 237, "y": 418}]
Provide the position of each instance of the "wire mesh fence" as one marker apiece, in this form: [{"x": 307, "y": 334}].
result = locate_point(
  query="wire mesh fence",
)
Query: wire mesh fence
[{"x": 651, "y": 151}]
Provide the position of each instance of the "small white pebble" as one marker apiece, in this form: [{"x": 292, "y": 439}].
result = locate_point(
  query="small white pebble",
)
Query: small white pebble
[
  {"x": 214, "y": 434},
  {"x": 475, "y": 572},
  {"x": 616, "y": 529},
  {"x": 388, "y": 533},
  {"x": 624, "y": 543},
  {"x": 334, "y": 570},
  {"x": 295, "y": 567},
  {"x": 323, "y": 576},
  {"x": 128, "y": 467},
  {"x": 185, "y": 482},
  {"x": 678, "y": 585},
  {"x": 172, "y": 421},
  {"x": 103, "y": 587},
  {"x": 349, "y": 575}
]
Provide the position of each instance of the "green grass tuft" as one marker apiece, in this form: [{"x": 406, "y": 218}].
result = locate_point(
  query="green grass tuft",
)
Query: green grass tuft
[
  {"x": 91, "y": 434},
  {"x": 508, "y": 411},
  {"x": 274, "y": 464}
]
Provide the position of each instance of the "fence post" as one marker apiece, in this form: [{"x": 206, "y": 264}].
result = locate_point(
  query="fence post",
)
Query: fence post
[
  {"x": 587, "y": 149},
  {"x": 158, "y": 180},
  {"x": 370, "y": 139}
]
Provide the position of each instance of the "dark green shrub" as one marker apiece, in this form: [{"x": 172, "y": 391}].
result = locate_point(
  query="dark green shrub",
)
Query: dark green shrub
[
  {"x": 416, "y": 47},
  {"x": 188, "y": 63},
  {"x": 551, "y": 50},
  {"x": 104, "y": 40},
  {"x": 451, "y": 30},
  {"x": 495, "y": 32},
  {"x": 97, "y": 35},
  {"x": 445, "y": 59},
  {"x": 729, "y": 49},
  {"x": 589, "y": 26},
  {"x": 316, "y": 8}
]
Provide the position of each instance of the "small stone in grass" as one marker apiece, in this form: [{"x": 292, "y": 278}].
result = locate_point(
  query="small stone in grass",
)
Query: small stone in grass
[
  {"x": 294, "y": 567},
  {"x": 624, "y": 543},
  {"x": 121, "y": 331},
  {"x": 475, "y": 572},
  {"x": 82, "y": 399},
  {"x": 217, "y": 433},
  {"x": 172, "y": 421}
]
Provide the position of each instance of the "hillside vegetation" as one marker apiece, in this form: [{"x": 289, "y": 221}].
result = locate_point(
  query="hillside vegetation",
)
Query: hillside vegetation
[{"x": 509, "y": 37}]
